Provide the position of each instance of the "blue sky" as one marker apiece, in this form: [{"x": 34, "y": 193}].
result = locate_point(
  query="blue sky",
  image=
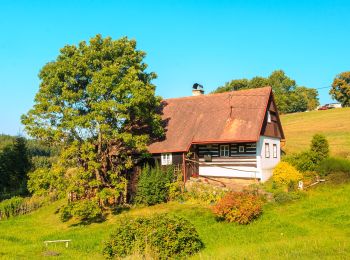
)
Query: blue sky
[{"x": 210, "y": 42}]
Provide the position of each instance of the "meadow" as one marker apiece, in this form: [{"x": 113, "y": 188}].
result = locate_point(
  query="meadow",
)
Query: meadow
[
  {"x": 316, "y": 226},
  {"x": 334, "y": 124}
]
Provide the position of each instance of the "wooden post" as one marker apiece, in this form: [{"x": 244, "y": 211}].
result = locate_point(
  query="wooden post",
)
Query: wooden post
[{"x": 184, "y": 167}]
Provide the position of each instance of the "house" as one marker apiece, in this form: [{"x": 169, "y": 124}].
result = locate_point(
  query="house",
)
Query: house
[{"x": 235, "y": 134}]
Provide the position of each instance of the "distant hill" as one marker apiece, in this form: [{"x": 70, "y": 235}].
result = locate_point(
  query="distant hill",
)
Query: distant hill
[{"x": 334, "y": 124}]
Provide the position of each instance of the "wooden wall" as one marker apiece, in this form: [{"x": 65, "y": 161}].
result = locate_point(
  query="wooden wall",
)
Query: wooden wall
[{"x": 214, "y": 149}]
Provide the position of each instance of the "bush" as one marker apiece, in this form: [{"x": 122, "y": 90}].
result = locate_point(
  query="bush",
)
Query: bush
[
  {"x": 165, "y": 236},
  {"x": 309, "y": 160},
  {"x": 204, "y": 192},
  {"x": 320, "y": 146},
  {"x": 334, "y": 165},
  {"x": 239, "y": 207},
  {"x": 153, "y": 185},
  {"x": 304, "y": 161},
  {"x": 284, "y": 173},
  {"x": 84, "y": 210}
]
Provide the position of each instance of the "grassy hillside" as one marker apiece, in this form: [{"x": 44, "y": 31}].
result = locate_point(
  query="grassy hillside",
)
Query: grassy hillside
[
  {"x": 334, "y": 124},
  {"x": 318, "y": 226}
]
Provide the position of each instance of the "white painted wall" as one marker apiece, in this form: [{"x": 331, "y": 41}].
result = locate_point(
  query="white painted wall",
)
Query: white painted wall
[
  {"x": 230, "y": 171},
  {"x": 266, "y": 165},
  {"x": 264, "y": 168}
]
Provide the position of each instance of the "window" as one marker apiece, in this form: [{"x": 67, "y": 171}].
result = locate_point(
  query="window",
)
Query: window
[
  {"x": 224, "y": 150},
  {"x": 267, "y": 150},
  {"x": 268, "y": 117},
  {"x": 167, "y": 158},
  {"x": 274, "y": 150},
  {"x": 241, "y": 149}
]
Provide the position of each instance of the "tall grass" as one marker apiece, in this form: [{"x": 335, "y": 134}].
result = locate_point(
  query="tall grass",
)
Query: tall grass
[
  {"x": 334, "y": 124},
  {"x": 334, "y": 165},
  {"x": 20, "y": 206}
]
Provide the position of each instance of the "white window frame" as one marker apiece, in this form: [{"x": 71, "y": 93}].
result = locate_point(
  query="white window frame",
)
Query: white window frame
[
  {"x": 241, "y": 150},
  {"x": 274, "y": 150},
  {"x": 224, "y": 150},
  {"x": 166, "y": 158},
  {"x": 268, "y": 117},
  {"x": 267, "y": 150}
]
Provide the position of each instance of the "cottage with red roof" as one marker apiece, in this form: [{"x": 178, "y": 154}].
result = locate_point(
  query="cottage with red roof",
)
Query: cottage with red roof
[{"x": 232, "y": 135}]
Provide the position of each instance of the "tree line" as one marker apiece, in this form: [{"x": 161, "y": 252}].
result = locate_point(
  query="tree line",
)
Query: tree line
[
  {"x": 19, "y": 156},
  {"x": 289, "y": 97}
]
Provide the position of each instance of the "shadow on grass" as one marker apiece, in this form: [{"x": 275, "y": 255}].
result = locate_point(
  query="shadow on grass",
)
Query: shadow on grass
[
  {"x": 120, "y": 209},
  {"x": 86, "y": 222}
]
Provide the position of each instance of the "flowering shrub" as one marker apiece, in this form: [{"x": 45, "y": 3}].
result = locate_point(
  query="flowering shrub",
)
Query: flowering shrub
[
  {"x": 284, "y": 173},
  {"x": 239, "y": 207}
]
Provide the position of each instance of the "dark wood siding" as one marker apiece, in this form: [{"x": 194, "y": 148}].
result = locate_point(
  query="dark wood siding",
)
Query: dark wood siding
[
  {"x": 274, "y": 128},
  {"x": 247, "y": 161},
  {"x": 177, "y": 158},
  {"x": 214, "y": 149},
  {"x": 209, "y": 149}
]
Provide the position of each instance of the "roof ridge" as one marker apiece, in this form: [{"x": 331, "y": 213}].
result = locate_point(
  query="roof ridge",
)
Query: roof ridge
[{"x": 223, "y": 93}]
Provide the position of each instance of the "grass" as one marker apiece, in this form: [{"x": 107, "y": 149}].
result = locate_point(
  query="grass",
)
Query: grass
[
  {"x": 317, "y": 226},
  {"x": 334, "y": 124}
]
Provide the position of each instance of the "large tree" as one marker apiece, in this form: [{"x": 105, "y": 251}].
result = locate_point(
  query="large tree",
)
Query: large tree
[
  {"x": 289, "y": 97},
  {"x": 340, "y": 90},
  {"x": 97, "y": 101}
]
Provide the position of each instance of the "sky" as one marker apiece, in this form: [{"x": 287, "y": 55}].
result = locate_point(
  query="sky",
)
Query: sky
[{"x": 209, "y": 42}]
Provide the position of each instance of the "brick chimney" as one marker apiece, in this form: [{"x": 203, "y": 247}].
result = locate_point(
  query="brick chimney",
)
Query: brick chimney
[{"x": 197, "y": 89}]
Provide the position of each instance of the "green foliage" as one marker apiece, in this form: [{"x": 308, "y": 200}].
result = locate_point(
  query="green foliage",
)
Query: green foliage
[
  {"x": 311, "y": 95},
  {"x": 19, "y": 206},
  {"x": 288, "y": 96},
  {"x": 85, "y": 211},
  {"x": 203, "y": 192},
  {"x": 96, "y": 102},
  {"x": 176, "y": 188},
  {"x": 164, "y": 235},
  {"x": 238, "y": 207},
  {"x": 310, "y": 159},
  {"x": 320, "y": 146},
  {"x": 340, "y": 90},
  {"x": 284, "y": 173},
  {"x": 48, "y": 181},
  {"x": 10, "y": 207},
  {"x": 6, "y": 140},
  {"x": 334, "y": 165},
  {"x": 154, "y": 185},
  {"x": 14, "y": 166},
  {"x": 303, "y": 161}
]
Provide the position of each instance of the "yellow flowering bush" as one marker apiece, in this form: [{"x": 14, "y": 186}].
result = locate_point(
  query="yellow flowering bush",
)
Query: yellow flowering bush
[{"x": 284, "y": 173}]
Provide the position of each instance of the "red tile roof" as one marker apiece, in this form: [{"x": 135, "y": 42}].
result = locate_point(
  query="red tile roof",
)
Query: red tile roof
[{"x": 235, "y": 116}]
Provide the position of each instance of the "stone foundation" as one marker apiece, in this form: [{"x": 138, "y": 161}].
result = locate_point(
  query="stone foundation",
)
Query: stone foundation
[{"x": 235, "y": 184}]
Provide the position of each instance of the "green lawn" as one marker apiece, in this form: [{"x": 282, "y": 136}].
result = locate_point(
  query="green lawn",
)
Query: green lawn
[
  {"x": 334, "y": 124},
  {"x": 317, "y": 226}
]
